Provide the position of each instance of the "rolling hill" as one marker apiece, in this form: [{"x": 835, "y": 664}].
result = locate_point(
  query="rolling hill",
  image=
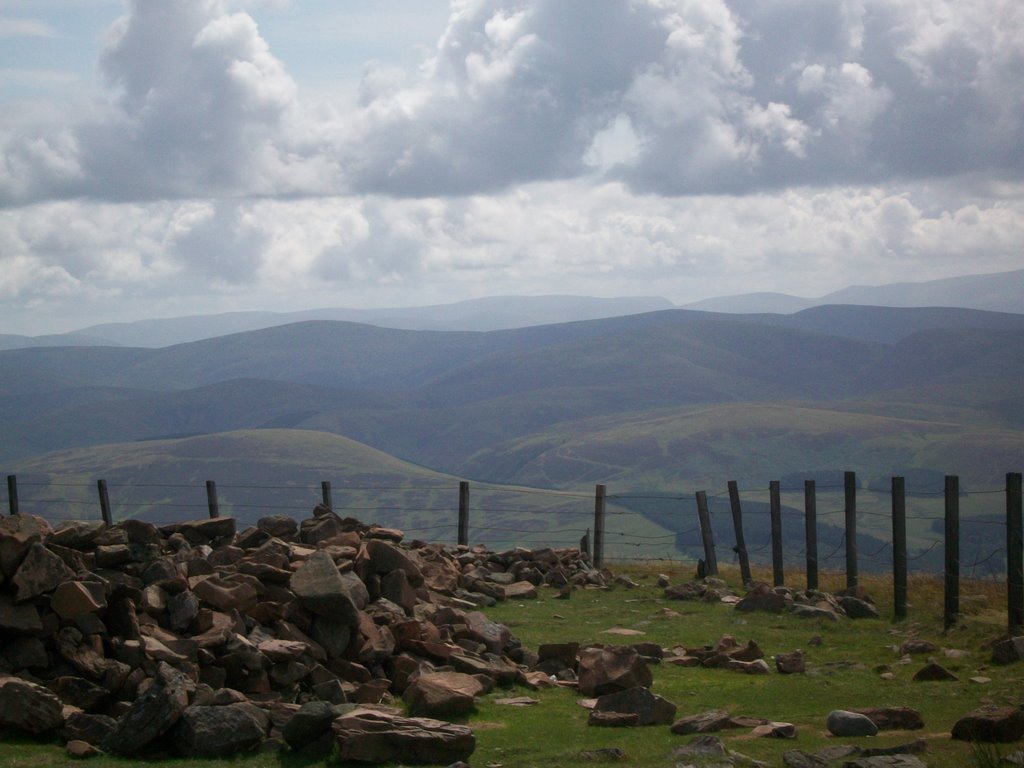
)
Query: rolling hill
[{"x": 663, "y": 402}]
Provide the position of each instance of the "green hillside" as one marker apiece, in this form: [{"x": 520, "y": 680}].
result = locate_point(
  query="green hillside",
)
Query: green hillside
[{"x": 278, "y": 471}]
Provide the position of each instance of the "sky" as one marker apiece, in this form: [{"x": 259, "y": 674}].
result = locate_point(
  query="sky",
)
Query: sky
[{"x": 160, "y": 159}]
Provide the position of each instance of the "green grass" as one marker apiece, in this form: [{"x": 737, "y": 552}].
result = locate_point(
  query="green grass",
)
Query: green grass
[{"x": 844, "y": 672}]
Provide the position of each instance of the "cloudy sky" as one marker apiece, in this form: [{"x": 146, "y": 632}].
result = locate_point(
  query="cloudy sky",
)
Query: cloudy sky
[{"x": 196, "y": 156}]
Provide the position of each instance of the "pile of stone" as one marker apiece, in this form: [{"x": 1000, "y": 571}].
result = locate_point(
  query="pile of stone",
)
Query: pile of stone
[
  {"x": 726, "y": 653},
  {"x": 853, "y": 603},
  {"x": 201, "y": 640}
]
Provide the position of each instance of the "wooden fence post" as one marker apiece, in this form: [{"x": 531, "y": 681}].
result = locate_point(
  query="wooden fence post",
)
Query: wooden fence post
[
  {"x": 1014, "y": 555},
  {"x": 463, "y": 532},
  {"x": 899, "y": 548},
  {"x": 211, "y": 499},
  {"x": 952, "y": 568},
  {"x": 325, "y": 494},
  {"x": 850, "y": 509},
  {"x": 737, "y": 525},
  {"x": 12, "y": 493},
  {"x": 101, "y": 487},
  {"x": 778, "y": 571},
  {"x": 707, "y": 535},
  {"x": 599, "y": 494},
  {"x": 811, "y": 532}
]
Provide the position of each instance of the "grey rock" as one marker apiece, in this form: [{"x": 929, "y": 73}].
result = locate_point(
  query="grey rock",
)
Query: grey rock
[
  {"x": 843, "y": 723},
  {"x": 151, "y": 715},
  {"x": 705, "y": 722},
  {"x": 28, "y": 707},
  {"x": 322, "y": 590},
  {"x": 217, "y": 731},
  {"x": 991, "y": 724}
]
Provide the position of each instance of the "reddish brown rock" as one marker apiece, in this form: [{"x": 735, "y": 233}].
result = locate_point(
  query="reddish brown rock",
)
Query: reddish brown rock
[
  {"x": 369, "y": 736},
  {"x": 649, "y": 708},
  {"x": 706, "y": 722},
  {"x": 17, "y": 534},
  {"x": 77, "y": 598},
  {"x": 991, "y": 724},
  {"x": 610, "y": 669},
  {"x": 80, "y": 750},
  {"x": 40, "y": 571},
  {"x": 790, "y": 663},
  {"x": 19, "y": 619},
  {"x": 28, "y": 707},
  {"x": 225, "y": 595},
  {"x": 893, "y": 718},
  {"x": 442, "y": 694}
]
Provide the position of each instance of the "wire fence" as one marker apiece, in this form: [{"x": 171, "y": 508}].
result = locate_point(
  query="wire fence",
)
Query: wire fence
[{"x": 638, "y": 525}]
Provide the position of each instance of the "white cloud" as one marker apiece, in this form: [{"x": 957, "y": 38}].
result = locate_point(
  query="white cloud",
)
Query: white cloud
[{"x": 685, "y": 147}]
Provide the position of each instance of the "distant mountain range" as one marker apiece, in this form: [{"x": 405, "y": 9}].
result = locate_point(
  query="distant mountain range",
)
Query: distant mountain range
[
  {"x": 662, "y": 402},
  {"x": 995, "y": 293},
  {"x": 1002, "y": 292}
]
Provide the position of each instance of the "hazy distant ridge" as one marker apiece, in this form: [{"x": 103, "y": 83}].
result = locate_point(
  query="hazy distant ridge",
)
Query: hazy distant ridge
[{"x": 1002, "y": 292}]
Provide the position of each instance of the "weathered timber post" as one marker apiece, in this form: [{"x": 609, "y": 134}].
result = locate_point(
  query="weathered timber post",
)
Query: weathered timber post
[
  {"x": 952, "y": 567},
  {"x": 325, "y": 494},
  {"x": 775, "y": 498},
  {"x": 737, "y": 525},
  {"x": 12, "y": 493},
  {"x": 463, "y": 530},
  {"x": 899, "y": 548},
  {"x": 1014, "y": 555},
  {"x": 101, "y": 487},
  {"x": 811, "y": 532},
  {"x": 211, "y": 499},
  {"x": 599, "y": 526},
  {"x": 707, "y": 535},
  {"x": 850, "y": 509}
]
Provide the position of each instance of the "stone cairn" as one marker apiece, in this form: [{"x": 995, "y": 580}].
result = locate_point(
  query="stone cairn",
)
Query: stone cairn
[{"x": 199, "y": 640}]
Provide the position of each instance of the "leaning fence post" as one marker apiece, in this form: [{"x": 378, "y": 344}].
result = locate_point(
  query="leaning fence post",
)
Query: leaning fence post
[
  {"x": 811, "y": 532},
  {"x": 463, "y": 512},
  {"x": 775, "y": 499},
  {"x": 850, "y": 509},
  {"x": 707, "y": 536},
  {"x": 599, "y": 526},
  {"x": 101, "y": 487},
  {"x": 899, "y": 548},
  {"x": 952, "y": 544},
  {"x": 12, "y": 493},
  {"x": 211, "y": 499},
  {"x": 737, "y": 525},
  {"x": 1014, "y": 555},
  {"x": 325, "y": 494}
]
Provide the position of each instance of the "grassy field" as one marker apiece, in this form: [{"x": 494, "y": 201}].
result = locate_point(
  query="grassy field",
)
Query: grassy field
[{"x": 844, "y": 671}]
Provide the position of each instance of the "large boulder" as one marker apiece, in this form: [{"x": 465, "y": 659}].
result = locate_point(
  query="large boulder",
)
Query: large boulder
[
  {"x": 151, "y": 715},
  {"x": 610, "y": 669},
  {"x": 323, "y": 591},
  {"x": 991, "y": 724},
  {"x": 844, "y": 723},
  {"x": 217, "y": 731},
  {"x": 26, "y": 706},
  {"x": 893, "y": 718},
  {"x": 371, "y": 736},
  {"x": 442, "y": 694},
  {"x": 40, "y": 571},
  {"x": 649, "y": 708},
  {"x": 17, "y": 534}
]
